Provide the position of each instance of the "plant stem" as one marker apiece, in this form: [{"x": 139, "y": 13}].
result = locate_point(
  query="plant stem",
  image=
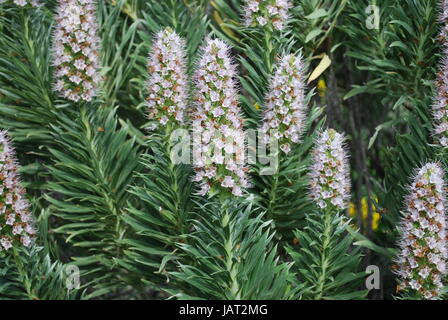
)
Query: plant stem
[{"x": 324, "y": 263}]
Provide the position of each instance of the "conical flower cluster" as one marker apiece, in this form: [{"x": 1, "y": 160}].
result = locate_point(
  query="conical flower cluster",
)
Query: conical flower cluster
[
  {"x": 16, "y": 223},
  {"x": 285, "y": 113},
  {"x": 76, "y": 50},
  {"x": 440, "y": 104},
  {"x": 422, "y": 261},
  {"x": 330, "y": 172},
  {"x": 168, "y": 82},
  {"x": 219, "y": 140},
  {"x": 265, "y": 12}
]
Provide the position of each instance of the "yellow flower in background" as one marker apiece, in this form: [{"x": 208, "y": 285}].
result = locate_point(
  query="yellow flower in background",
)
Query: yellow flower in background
[
  {"x": 376, "y": 217},
  {"x": 321, "y": 88}
]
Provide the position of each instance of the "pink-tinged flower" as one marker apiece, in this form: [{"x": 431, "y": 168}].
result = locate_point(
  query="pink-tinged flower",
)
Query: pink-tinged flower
[
  {"x": 168, "y": 83},
  {"x": 422, "y": 260},
  {"x": 285, "y": 110},
  {"x": 16, "y": 221},
  {"x": 264, "y": 12},
  {"x": 76, "y": 48},
  {"x": 219, "y": 139},
  {"x": 330, "y": 171}
]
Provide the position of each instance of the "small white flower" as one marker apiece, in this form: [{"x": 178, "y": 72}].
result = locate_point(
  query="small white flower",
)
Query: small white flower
[{"x": 168, "y": 83}]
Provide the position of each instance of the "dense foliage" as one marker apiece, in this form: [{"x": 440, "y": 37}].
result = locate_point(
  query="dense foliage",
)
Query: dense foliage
[{"x": 330, "y": 118}]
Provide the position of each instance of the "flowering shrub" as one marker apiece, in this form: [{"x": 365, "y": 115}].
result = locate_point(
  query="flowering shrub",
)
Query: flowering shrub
[
  {"x": 76, "y": 50},
  {"x": 182, "y": 149},
  {"x": 285, "y": 112}
]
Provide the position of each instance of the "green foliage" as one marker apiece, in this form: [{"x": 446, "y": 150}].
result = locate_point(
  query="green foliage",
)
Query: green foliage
[
  {"x": 93, "y": 165},
  {"x": 162, "y": 216},
  {"x": 112, "y": 201},
  {"x": 26, "y": 100},
  {"x": 232, "y": 256},
  {"x": 279, "y": 191},
  {"x": 29, "y": 274},
  {"x": 326, "y": 263}
]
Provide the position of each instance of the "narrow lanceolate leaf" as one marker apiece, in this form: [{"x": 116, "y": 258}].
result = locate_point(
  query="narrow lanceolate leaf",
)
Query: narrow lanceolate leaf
[
  {"x": 162, "y": 216},
  {"x": 326, "y": 263},
  {"x": 93, "y": 163}
]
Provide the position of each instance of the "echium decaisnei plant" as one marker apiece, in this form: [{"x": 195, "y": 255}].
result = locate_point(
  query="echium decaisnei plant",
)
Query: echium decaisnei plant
[
  {"x": 330, "y": 172},
  {"x": 76, "y": 46},
  {"x": 325, "y": 260},
  {"x": 26, "y": 269},
  {"x": 219, "y": 140},
  {"x": 267, "y": 12},
  {"x": 285, "y": 113},
  {"x": 422, "y": 261},
  {"x": 16, "y": 222},
  {"x": 168, "y": 83}
]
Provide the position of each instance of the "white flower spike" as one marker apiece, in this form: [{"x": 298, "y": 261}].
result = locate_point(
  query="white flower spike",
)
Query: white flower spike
[
  {"x": 330, "y": 172},
  {"x": 76, "y": 47},
  {"x": 422, "y": 260},
  {"x": 217, "y": 123}
]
